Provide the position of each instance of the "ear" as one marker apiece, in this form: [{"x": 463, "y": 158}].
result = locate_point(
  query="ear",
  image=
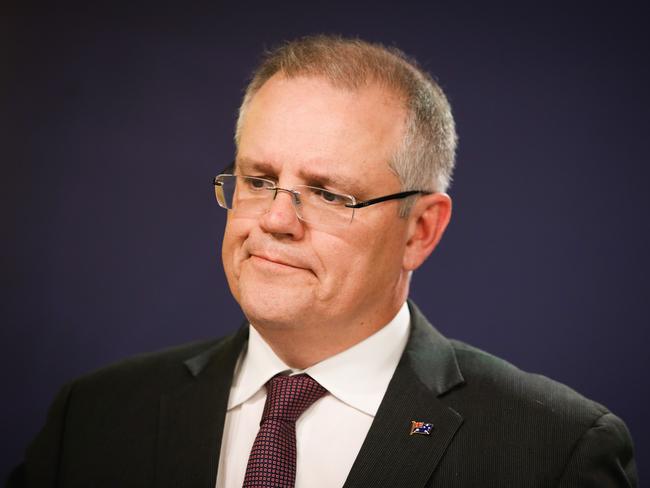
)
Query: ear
[{"x": 428, "y": 220}]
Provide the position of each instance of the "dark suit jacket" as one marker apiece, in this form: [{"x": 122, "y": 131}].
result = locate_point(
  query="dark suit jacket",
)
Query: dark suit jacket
[{"x": 157, "y": 420}]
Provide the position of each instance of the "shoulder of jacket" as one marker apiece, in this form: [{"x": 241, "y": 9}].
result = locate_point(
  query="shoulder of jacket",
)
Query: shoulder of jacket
[
  {"x": 514, "y": 388},
  {"x": 158, "y": 367}
]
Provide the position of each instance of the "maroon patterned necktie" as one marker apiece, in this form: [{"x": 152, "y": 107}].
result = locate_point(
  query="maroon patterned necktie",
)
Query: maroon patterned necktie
[{"x": 272, "y": 462}]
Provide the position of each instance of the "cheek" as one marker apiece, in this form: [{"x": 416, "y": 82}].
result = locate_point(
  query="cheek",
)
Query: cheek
[
  {"x": 234, "y": 236},
  {"x": 380, "y": 254},
  {"x": 344, "y": 260},
  {"x": 358, "y": 272},
  {"x": 226, "y": 257},
  {"x": 232, "y": 277}
]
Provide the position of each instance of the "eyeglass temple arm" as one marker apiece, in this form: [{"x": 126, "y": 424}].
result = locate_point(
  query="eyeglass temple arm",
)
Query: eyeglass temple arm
[{"x": 393, "y": 196}]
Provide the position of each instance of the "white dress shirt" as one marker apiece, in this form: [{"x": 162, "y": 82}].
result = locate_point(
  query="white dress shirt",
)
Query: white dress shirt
[{"x": 330, "y": 433}]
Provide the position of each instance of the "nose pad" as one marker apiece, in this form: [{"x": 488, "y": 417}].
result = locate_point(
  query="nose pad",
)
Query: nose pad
[
  {"x": 295, "y": 196},
  {"x": 294, "y": 201},
  {"x": 280, "y": 220}
]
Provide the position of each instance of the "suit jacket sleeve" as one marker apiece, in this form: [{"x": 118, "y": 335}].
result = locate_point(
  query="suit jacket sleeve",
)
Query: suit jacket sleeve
[
  {"x": 42, "y": 457},
  {"x": 602, "y": 457}
]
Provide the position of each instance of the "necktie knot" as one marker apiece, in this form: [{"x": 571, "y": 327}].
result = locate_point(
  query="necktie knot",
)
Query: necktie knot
[{"x": 289, "y": 396}]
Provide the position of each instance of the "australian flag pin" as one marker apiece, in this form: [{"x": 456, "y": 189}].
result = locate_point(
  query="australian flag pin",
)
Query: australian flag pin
[{"x": 421, "y": 428}]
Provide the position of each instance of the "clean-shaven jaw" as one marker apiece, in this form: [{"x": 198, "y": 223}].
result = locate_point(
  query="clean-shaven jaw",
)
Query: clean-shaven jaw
[{"x": 312, "y": 292}]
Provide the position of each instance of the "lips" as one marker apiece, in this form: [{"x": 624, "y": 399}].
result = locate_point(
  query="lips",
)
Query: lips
[
  {"x": 275, "y": 260},
  {"x": 271, "y": 253}
]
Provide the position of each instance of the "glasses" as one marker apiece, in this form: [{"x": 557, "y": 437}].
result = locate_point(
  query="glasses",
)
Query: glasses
[{"x": 252, "y": 196}]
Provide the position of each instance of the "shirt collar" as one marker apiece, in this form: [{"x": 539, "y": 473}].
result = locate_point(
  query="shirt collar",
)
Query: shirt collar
[
  {"x": 257, "y": 365},
  {"x": 358, "y": 376}
]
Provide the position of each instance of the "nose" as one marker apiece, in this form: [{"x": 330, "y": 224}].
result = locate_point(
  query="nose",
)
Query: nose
[
  {"x": 281, "y": 218},
  {"x": 295, "y": 199}
]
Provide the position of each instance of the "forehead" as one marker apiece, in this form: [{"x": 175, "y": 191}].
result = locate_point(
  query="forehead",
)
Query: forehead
[{"x": 305, "y": 123}]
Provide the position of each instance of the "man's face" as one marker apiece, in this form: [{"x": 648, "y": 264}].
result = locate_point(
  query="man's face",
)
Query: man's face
[{"x": 287, "y": 273}]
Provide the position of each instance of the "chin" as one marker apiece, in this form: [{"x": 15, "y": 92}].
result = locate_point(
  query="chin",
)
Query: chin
[
  {"x": 275, "y": 306},
  {"x": 275, "y": 297}
]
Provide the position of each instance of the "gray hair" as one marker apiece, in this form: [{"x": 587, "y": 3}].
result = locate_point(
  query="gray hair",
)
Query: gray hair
[{"x": 425, "y": 157}]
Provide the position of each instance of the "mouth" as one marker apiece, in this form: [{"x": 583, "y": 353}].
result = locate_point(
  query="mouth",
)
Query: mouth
[{"x": 273, "y": 262}]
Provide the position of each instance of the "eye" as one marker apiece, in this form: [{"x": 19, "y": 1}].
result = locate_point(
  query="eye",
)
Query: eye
[
  {"x": 256, "y": 183},
  {"x": 329, "y": 197}
]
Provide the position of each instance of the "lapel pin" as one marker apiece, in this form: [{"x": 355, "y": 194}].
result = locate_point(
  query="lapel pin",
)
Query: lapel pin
[{"x": 421, "y": 428}]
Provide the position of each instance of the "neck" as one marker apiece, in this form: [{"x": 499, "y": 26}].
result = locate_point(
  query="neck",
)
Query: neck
[{"x": 310, "y": 343}]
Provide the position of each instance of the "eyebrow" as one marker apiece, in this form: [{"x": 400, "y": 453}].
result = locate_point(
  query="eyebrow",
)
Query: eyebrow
[{"x": 311, "y": 178}]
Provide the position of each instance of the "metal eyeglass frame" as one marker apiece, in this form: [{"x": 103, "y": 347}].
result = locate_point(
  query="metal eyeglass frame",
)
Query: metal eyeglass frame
[{"x": 361, "y": 204}]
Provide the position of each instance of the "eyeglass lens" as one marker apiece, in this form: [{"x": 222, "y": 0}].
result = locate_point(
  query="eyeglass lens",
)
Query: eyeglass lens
[{"x": 249, "y": 196}]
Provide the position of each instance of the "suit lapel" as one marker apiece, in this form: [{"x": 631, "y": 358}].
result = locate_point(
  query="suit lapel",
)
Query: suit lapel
[
  {"x": 390, "y": 456},
  {"x": 192, "y": 417}
]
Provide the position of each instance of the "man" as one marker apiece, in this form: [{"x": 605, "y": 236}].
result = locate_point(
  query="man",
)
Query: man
[{"x": 336, "y": 195}]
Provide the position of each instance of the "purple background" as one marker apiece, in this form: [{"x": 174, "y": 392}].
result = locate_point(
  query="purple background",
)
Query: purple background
[{"x": 114, "y": 122}]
